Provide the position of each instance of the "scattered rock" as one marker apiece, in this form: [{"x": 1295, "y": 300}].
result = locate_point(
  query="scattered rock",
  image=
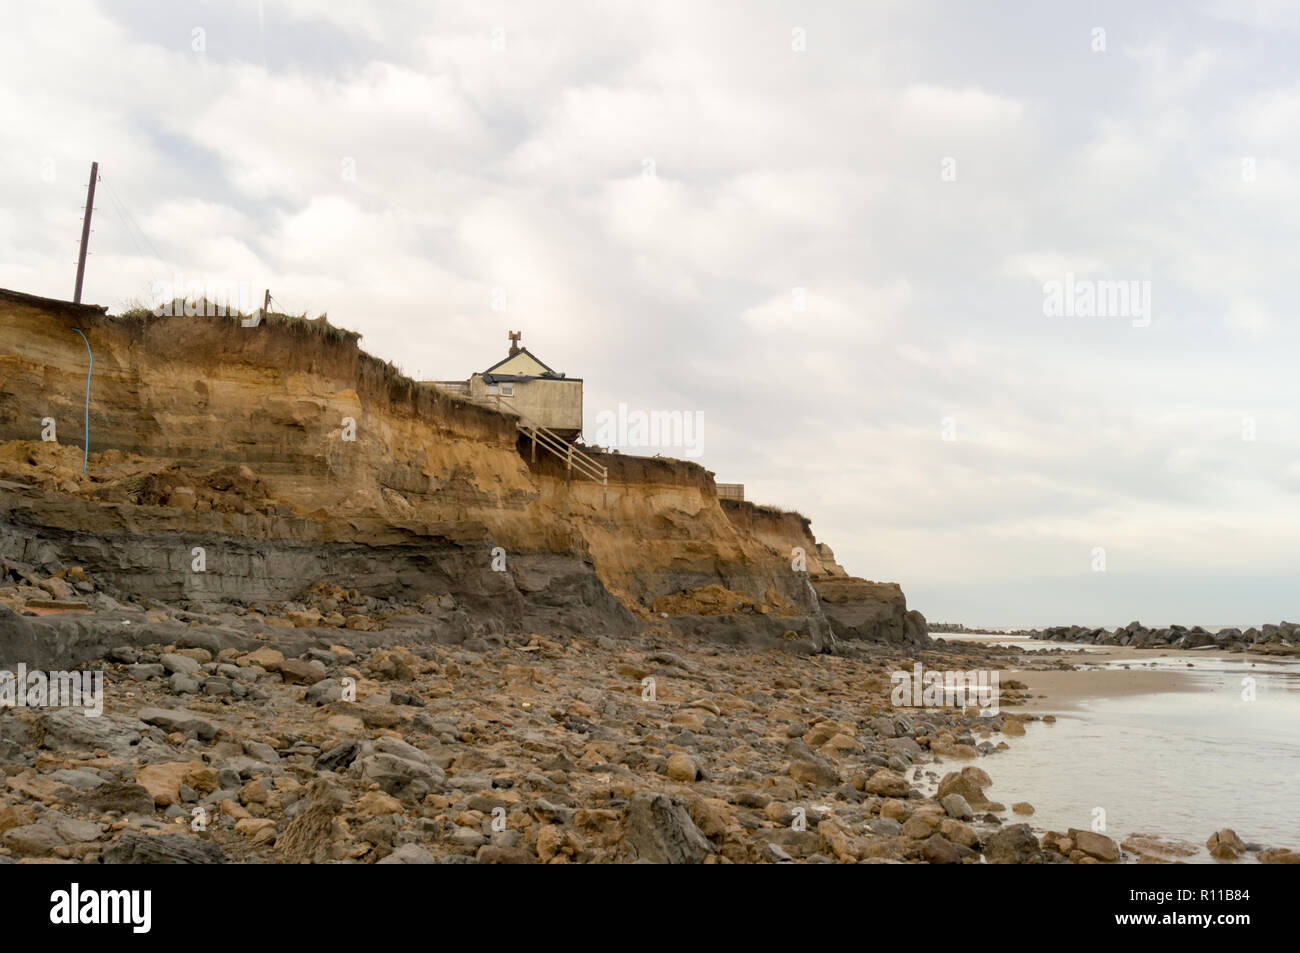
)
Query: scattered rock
[
  {"x": 660, "y": 830},
  {"x": 179, "y": 719},
  {"x": 298, "y": 671},
  {"x": 1278, "y": 855},
  {"x": 955, "y": 805},
  {"x": 122, "y": 797},
  {"x": 1158, "y": 849},
  {"x": 134, "y": 847},
  {"x": 970, "y": 783},
  {"x": 409, "y": 854},
  {"x": 938, "y": 850},
  {"x": 681, "y": 767},
  {"x": 1225, "y": 845},
  {"x": 1015, "y": 844},
  {"x": 163, "y": 781},
  {"x": 1095, "y": 845},
  {"x": 176, "y": 663},
  {"x": 887, "y": 783},
  {"x": 816, "y": 773}
]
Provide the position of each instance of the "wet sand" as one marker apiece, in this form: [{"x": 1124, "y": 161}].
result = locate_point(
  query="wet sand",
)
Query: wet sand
[{"x": 1057, "y": 690}]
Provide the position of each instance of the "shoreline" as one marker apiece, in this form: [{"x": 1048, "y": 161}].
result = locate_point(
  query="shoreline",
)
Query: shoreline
[{"x": 1071, "y": 692}]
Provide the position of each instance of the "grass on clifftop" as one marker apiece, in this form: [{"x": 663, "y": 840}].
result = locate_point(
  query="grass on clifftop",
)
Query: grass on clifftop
[
  {"x": 203, "y": 308},
  {"x": 768, "y": 508}
]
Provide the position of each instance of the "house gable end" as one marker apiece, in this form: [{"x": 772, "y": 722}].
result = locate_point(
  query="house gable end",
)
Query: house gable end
[{"x": 522, "y": 363}]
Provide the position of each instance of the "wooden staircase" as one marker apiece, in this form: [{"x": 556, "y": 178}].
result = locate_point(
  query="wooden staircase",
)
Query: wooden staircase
[{"x": 575, "y": 461}]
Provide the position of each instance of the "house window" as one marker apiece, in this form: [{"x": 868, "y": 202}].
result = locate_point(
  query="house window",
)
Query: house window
[
  {"x": 494, "y": 389},
  {"x": 507, "y": 390}
]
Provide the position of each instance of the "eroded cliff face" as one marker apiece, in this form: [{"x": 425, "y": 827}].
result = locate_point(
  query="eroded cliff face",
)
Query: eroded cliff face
[
  {"x": 855, "y": 608},
  {"x": 289, "y": 457},
  {"x": 786, "y": 532}
]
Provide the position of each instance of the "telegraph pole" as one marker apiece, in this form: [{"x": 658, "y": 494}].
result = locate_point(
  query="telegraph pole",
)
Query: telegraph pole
[{"x": 85, "y": 231}]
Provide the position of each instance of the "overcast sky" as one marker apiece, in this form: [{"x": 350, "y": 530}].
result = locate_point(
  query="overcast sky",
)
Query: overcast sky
[{"x": 827, "y": 228}]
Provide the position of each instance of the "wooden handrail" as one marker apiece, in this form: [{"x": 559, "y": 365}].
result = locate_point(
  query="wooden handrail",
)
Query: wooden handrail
[{"x": 574, "y": 459}]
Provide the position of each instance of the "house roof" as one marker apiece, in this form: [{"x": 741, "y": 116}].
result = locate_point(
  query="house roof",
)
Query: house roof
[
  {"x": 511, "y": 357},
  {"x": 499, "y": 378}
]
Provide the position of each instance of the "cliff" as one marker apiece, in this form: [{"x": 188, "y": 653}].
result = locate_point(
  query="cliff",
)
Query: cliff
[
  {"x": 855, "y": 608},
  {"x": 299, "y": 465}
]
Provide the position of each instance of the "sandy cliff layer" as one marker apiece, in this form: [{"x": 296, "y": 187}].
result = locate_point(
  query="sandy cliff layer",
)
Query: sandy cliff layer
[
  {"x": 786, "y": 532},
  {"x": 289, "y": 456}
]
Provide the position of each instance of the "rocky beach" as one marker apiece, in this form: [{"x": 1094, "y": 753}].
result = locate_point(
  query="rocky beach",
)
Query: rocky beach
[
  {"x": 265, "y": 734},
  {"x": 498, "y": 749}
]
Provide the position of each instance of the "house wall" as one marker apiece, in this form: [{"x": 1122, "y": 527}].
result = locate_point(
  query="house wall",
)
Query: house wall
[{"x": 554, "y": 403}]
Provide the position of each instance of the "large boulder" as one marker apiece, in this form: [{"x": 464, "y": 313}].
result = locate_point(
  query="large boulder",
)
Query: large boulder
[
  {"x": 1225, "y": 844},
  {"x": 398, "y": 776},
  {"x": 18, "y": 639},
  {"x": 181, "y": 720},
  {"x": 970, "y": 783},
  {"x": 886, "y": 783},
  {"x": 660, "y": 831},
  {"x": 1095, "y": 845},
  {"x": 136, "y": 848},
  {"x": 119, "y": 735},
  {"x": 1013, "y": 845}
]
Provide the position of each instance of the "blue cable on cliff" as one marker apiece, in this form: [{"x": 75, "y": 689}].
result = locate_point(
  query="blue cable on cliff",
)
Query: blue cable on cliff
[{"x": 86, "y": 433}]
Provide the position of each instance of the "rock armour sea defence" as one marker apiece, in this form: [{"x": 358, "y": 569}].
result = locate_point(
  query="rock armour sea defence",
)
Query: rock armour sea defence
[{"x": 1280, "y": 639}]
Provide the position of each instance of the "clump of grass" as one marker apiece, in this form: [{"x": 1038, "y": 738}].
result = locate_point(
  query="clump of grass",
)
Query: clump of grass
[
  {"x": 772, "y": 510},
  {"x": 205, "y": 308},
  {"x": 138, "y": 310},
  {"x": 319, "y": 326}
]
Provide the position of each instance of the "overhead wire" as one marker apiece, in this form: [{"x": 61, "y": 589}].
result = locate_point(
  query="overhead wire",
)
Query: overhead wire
[{"x": 128, "y": 223}]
